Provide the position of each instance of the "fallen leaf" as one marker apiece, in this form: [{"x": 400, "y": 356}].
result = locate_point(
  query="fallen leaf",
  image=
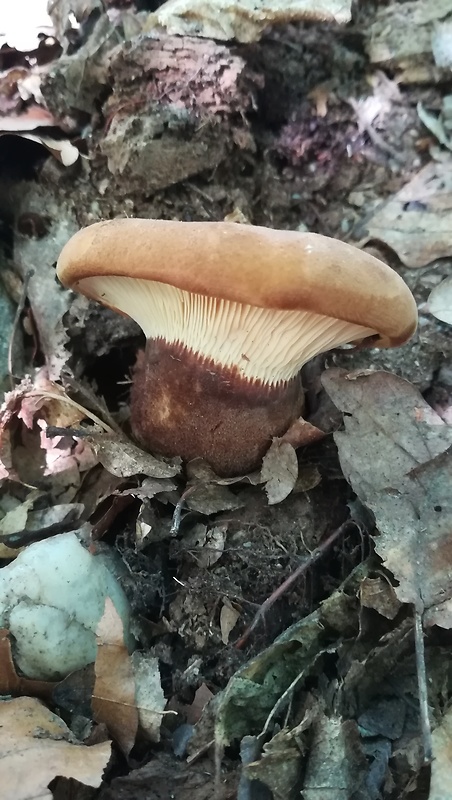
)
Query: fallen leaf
[
  {"x": 149, "y": 697},
  {"x": 403, "y": 38},
  {"x": 114, "y": 690},
  {"x": 435, "y": 125},
  {"x": 377, "y": 593},
  {"x": 205, "y": 545},
  {"x": 151, "y": 487},
  {"x": 123, "y": 458},
  {"x": 440, "y": 301},
  {"x": 257, "y": 687},
  {"x": 31, "y": 407},
  {"x": 308, "y": 478},
  {"x": 81, "y": 76},
  {"x": 416, "y": 222},
  {"x": 244, "y": 21},
  {"x": 336, "y": 764},
  {"x": 36, "y": 746},
  {"x": 396, "y": 454},
  {"x": 441, "y": 47},
  {"x": 302, "y": 433},
  {"x": 279, "y": 471},
  {"x": 203, "y": 695},
  {"x": 49, "y": 302},
  {"x": 276, "y": 765},
  {"x": 210, "y": 498},
  {"x": 149, "y": 526},
  {"x": 229, "y": 616},
  {"x": 11, "y": 682},
  {"x": 15, "y": 520}
]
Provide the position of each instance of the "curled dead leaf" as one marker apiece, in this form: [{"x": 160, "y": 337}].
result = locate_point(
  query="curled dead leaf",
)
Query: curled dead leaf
[
  {"x": 50, "y": 754},
  {"x": 440, "y": 301},
  {"x": 279, "y": 471}
]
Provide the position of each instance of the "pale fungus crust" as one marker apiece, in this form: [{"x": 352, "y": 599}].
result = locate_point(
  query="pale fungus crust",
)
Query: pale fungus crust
[{"x": 231, "y": 313}]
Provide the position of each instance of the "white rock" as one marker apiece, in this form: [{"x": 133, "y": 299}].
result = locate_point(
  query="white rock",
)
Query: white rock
[{"x": 51, "y": 599}]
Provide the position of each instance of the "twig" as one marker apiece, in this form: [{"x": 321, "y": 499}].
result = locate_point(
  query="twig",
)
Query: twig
[
  {"x": 422, "y": 686},
  {"x": 175, "y": 525},
  {"x": 281, "y": 700},
  {"x": 90, "y": 400},
  {"x": 63, "y": 398},
  {"x": 314, "y": 556},
  {"x": 19, "y": 309}
]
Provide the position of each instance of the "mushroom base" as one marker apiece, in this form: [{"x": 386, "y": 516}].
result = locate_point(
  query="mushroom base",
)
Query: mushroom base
[{"x": 182, "y": 405}]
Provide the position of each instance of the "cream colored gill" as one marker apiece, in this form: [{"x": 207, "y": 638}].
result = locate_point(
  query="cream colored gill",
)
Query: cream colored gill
[{"x": 265, "y": 344}]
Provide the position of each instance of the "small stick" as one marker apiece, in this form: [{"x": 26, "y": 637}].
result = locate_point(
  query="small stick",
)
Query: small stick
[
  {"x": 314, "y": 556},
  {"x": 175, "y": 525},
  {"x": 63, "y": 398},
  {"x": 422, "y": 686}
]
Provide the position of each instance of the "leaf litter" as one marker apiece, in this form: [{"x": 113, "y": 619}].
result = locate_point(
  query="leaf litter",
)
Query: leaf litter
[{"x": 395, "y": 452}]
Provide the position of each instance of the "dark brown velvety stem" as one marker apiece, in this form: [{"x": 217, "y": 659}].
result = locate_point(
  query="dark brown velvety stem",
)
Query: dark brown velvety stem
[{"x": 184, "y": 406}]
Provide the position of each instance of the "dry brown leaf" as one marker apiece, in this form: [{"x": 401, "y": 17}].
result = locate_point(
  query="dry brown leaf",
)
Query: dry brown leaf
[
  {"x": 199, "y": 471},
  {"x": 440, "y": 301},
  {"x": 15, "y": 520},
  {"x": 396, "y": 454},
  {"x": 229, "y": 615},
  {"x": 416, "y": 222},
  {"x": 302, "y": 433},
  {"x": 402, "y": 37},
  {"x": 36, "y": 746},
  {"x": 123, "y": 458},
  {"x": 31, "y": 407},
  {"x": 308, "y": 478},
  {"x": 11, "y": 682},
  {"x": 49, "y": 302},
  {"x": 210, "y": 498},
  {"x": 113, "y": 700},
  {"x": 279, "y": 471},
  {"x": 149, "y": 696},
  {"x": 150, "y": 487},
  {"x": 244, "y": 20},
  {"x": 377, "y": 593},
  {"x": 203, "y": 695},
  {"x": 206, "y": 546}
]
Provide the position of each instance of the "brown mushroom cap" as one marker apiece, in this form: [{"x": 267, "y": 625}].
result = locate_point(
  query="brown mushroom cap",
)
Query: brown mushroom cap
[
  {"x": 231, "y": 313},
  {"x": 260, "y": 267}
]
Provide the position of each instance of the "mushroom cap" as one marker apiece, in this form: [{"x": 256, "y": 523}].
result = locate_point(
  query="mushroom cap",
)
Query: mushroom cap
[{"x": 262, "y": 267}]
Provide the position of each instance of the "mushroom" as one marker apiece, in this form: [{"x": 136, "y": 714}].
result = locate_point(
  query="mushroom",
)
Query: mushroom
[{"x": 230, "y": 314}]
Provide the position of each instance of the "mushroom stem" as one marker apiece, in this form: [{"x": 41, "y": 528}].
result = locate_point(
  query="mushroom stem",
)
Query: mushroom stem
[{"x": 183, "y": 405}]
